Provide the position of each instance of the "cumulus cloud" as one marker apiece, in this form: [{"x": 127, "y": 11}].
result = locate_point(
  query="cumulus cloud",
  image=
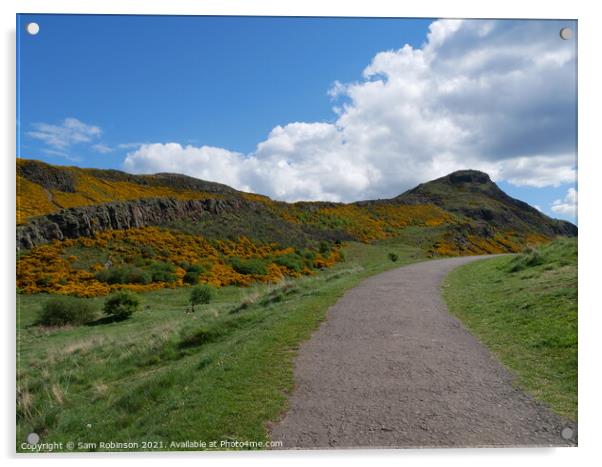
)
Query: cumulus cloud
[
  {"x": 567, "y": 205},
  {"x": 67, "y": 133},
  {"x": 204, "y": 162},
  {"x": 497, "y": 96}
]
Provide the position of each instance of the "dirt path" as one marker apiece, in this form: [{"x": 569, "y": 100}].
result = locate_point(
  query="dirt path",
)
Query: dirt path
[{"x": 391, "y": 367}]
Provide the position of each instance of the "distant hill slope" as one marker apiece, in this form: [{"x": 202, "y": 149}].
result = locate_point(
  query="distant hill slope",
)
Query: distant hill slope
[
  {"x": 44, "y": 189},
  {"x": 461, "y": 213},
  {"x": 472, "y": 194}
]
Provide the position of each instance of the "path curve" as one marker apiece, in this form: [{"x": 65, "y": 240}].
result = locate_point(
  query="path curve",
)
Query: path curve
[{"x": 390, "y": 367}]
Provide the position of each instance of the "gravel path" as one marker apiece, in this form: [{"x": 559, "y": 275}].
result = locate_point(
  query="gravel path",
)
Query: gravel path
[{"x": 390, "y": 367}]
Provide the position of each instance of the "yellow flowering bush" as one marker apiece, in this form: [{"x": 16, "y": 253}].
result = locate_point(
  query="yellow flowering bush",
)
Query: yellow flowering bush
[
  {"x": 368, "y": 223},
  {"x": 55, "y": 267}
]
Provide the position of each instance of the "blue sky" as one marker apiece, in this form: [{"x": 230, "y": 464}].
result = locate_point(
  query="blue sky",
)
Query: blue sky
[
  {"x": 217, "y": 81},
  {"x": 301, "y": 108}
]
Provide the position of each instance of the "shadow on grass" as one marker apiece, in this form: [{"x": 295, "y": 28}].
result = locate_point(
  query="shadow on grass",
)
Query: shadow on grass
[
  {"x": 107, "y": 320},
  {"x": 200, "y": 337},
  {"x": 243, "y": 306}
]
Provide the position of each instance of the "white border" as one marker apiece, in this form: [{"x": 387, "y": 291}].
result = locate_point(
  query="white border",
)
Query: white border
[{"x": 590, "y": 308}]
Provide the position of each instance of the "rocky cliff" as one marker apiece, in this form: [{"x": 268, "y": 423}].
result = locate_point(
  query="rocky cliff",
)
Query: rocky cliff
[{"x": 86, "y": 220}]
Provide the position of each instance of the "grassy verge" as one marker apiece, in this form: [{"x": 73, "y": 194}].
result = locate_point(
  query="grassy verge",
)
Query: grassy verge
[
  {"x": 166, "y": 376},
  {"x": 524, "y": 308}
]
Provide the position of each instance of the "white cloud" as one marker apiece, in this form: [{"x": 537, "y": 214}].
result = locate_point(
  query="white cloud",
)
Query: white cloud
[
  {"x": 496, "y": 96},
  {"x": 204, "y": 162},
  {"x": 57, "y": 153},
  {"x": 131, "y": 145},
  {"x": 568, "y": 205},
  {"x": 102, "y": 148},
  {"x": 536, "y": 170},
  {"x": 70, "y": 131}
]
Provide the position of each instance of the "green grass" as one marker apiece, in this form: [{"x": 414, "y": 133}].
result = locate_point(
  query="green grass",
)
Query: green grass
[
  {"x": 524, "y": 308},
  {"x": 163, "y": 375}
]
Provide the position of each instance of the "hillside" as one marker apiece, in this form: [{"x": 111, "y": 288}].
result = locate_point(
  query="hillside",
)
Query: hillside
[
  {"x": 472, "y": 194},
  {"x": 78, "y": 222},
  {"x": 43, "y": 189}
]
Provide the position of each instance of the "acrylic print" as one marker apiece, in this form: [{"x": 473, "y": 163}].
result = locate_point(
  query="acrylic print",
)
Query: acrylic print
[{"x": 295, "y": 233}]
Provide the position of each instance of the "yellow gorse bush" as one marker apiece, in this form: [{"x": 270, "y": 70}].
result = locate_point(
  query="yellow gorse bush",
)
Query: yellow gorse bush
[
  {"x": 370, "y": 222},
  {"x": 504, "y": 242},
  {"x": 53, "y": 268}
]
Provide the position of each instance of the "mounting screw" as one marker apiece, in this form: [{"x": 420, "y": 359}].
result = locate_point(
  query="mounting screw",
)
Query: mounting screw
[
  {"x": 32, "y": 28},
  {"x": 566, "y": 33}
]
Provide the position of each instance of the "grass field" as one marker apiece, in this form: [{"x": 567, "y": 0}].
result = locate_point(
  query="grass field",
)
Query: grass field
[
  {"x": 165, "y": 376},
  {"x": 524, "y": 308}
]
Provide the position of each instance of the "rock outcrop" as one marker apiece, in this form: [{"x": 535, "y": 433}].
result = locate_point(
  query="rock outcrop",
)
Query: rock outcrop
[
  {"x": 47, "y": 176},
  {"x": 87, "y": 220}
]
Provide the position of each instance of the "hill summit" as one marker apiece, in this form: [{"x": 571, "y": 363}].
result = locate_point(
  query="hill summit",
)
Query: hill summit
[{"x": 473, "y": 195}]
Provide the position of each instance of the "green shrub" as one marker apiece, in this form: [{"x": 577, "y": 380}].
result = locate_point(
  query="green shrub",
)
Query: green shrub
[
  {"x": 147, "y": 251},
  {"x": 193, "y": 272},
  {"x": 59, "y": 311},
  {"x": 308, "y": 254},
  {"x": 255, "y": 266},
  {"x": 44, "y": 281},
  {"x": 163, "y": 272},
  {"x": 124, "y": 275},
  {"x": 191, "y": 277},
  {"x": 201, "y": 294},
  {"x": 291, "y": 261},
  {"x": 393, "y": 257},
  {"x": 137, "y": 261},
  {"x": 324, "y": 247},
  {"x": 198, "y": 268},
  {"x": 136, "y": 276},
  {"x": 121, "y": 304},
  {"x": 530, "y": 257}
]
